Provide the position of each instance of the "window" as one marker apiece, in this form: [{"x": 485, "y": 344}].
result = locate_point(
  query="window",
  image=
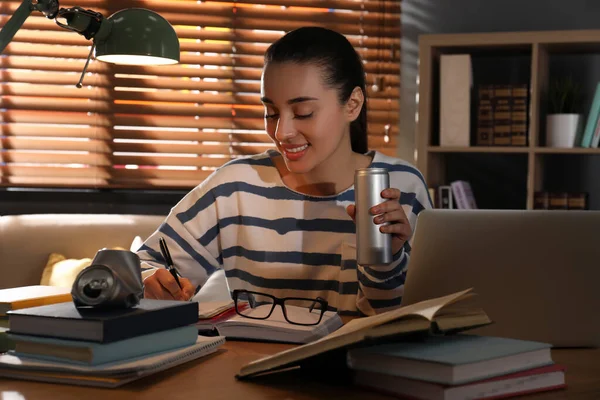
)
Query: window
[{"x": 170, "y": 126}]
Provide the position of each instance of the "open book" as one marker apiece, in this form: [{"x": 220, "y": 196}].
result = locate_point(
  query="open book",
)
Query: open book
[{"x": 441, "y": 315}]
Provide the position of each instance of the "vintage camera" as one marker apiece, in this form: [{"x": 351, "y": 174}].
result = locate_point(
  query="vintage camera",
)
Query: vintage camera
[{"x": 113, "y": 280}]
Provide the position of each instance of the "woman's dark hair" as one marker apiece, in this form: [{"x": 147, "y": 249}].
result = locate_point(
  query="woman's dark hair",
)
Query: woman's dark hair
[{"x": 342, "y": 66}]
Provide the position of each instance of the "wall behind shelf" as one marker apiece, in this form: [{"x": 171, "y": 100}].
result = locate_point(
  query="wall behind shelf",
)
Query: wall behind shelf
[{"x": 468, "y": 16}]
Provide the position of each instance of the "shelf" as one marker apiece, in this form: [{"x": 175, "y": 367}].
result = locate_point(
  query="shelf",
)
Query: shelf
[
  {"x": 513, "y": 150},
  {"x": 509, "y": 39},
  {"x": 575, "y": 150},
  {"x": 509, "y": 176},
  {"x": 479, "y": 149}
]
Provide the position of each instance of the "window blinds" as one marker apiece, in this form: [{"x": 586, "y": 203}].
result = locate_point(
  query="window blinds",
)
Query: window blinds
[{"x": 170, "y": 126}]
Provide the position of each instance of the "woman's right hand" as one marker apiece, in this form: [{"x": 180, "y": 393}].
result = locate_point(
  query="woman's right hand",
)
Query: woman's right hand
[{"x": 162, "y": 286}]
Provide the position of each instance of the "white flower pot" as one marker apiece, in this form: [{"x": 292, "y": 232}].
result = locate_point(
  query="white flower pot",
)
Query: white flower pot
[{"x": 562, "y": 130}]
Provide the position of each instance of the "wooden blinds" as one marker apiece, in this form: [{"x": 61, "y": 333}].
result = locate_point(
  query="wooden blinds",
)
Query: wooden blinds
[{"x": 170, "y": 126}]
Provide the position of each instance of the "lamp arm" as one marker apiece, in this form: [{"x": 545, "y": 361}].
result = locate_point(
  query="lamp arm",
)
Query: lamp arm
[
  {"x": 84, "y": 22},
  {"x": 16, "y": 21}
]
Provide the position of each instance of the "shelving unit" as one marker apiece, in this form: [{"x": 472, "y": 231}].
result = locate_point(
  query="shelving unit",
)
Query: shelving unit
[{"x": 536, "y": 48}]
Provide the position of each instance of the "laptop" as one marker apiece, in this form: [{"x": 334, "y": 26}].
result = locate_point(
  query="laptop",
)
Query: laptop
[{"x": 536, "y": 273}]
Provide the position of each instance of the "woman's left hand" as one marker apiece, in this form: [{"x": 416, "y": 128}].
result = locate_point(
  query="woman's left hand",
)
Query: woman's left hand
[{"x": 392, "y": 212}]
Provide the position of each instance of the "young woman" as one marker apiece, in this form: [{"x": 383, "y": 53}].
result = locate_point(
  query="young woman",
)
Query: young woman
[{"x": 281, "y": 222}]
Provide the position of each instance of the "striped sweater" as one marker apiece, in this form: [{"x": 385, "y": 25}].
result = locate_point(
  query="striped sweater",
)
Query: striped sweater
[{"x": 271, "y": 239}]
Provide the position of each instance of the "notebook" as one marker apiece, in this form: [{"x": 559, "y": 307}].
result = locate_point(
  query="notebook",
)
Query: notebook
[
  {"x": 439, "y": 315},
  {"x": 107, "y": 375},
  {"x": 277, "y": 329},
  {"x": 32, "y": 296},
  {"x": 451, "y": 360},
  {"x": 518, "y": 384},
  {"x": 91, "y": 353},
  {"x": 65, "y": 321}
]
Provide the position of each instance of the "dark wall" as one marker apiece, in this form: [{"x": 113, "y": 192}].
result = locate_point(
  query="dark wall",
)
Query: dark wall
[
  {"x": 31, "y": 201},
  {"x": 469, "y": 16}
]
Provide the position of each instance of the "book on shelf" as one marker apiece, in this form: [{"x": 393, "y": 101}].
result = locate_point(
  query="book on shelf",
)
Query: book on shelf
[
  {"x": 502, "y": 115},
  {"x": 457, "y": 195},
  {"x": 32, "y": 296},
  {"x": 545, "y": 200},
  {"x": 274, "y": 329},
  {"x": 106, "y": 375},
  {"x": 443, "y": 315},
  {"x": 516, "y": 384},
  {"x": 592, "y": 120},
  {"x": 518, "y": 116},
  {"x": 64, "y": 320},
  {"x": 595, "y": 136},
  {"x": 455, "y": 99},
  {"x": 463, "y": 195},
  {"x": 445, "y": 197},
  {"x": 485, "y": 116},
  {"x": 501, "y": 108}
]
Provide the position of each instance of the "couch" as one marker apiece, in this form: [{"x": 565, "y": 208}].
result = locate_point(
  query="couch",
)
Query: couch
[{"x": 26, "y": 242}]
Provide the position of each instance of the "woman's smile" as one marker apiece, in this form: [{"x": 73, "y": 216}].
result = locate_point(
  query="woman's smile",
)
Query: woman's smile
[{"x": 295, "y": 152}]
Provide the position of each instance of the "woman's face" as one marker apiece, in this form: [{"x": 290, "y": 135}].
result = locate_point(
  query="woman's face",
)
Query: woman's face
[{"x": 302, "y": 116}]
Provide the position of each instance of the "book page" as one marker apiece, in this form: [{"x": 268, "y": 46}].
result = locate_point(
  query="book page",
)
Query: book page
[
  {"x": 426, "y": 309},
  {"x": 208, "y": 309}
]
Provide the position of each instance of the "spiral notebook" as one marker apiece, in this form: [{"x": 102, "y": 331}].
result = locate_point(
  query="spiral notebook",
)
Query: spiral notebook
[{"x": 106, "y": 375}]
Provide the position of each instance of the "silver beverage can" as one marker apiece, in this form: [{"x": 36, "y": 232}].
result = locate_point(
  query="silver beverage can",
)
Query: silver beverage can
[
  {"x": 372, "y": 246},
  {"x": 114, "y": 279}
]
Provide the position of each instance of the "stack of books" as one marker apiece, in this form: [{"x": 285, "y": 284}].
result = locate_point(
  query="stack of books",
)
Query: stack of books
[
  {"x": 24, "y": 297},
  {"x": 457, "y": 366},
  {"x": 544, "y": 200},
  {"x": 102, "y": 347}
]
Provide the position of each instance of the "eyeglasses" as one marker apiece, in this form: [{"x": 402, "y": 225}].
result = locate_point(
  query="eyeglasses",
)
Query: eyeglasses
[{"x": 296, "y": 310}]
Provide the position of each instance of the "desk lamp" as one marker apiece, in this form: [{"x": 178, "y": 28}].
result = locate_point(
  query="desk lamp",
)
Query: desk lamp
[{"x": 133, "y": 36}]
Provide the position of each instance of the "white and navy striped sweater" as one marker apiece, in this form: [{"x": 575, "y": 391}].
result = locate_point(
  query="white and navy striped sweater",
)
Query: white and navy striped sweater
[{"x": 271, "y": 239}]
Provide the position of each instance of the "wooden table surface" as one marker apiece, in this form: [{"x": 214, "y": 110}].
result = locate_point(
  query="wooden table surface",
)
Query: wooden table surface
[{"x": 212, "y": 377}]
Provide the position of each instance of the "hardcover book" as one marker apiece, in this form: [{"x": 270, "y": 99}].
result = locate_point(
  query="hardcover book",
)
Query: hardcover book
[{"x": 66, "y": 321}]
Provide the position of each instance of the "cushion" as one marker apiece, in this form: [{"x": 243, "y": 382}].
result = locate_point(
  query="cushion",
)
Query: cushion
[{"x": 60, "y": 271}]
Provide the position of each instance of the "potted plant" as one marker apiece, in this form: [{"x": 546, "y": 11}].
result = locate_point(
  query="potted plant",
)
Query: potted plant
[{"x": 564, "y": 120}]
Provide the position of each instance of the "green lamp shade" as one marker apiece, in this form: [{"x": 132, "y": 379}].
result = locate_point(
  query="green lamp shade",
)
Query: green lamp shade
[{"x": 136, "y": 36}]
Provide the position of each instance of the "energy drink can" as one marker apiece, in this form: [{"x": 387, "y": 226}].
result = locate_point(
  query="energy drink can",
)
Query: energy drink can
[{"x": 372, "y": 246}]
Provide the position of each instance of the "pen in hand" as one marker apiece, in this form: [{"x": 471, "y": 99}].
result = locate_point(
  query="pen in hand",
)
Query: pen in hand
[{"x": 167, "y": 256}]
